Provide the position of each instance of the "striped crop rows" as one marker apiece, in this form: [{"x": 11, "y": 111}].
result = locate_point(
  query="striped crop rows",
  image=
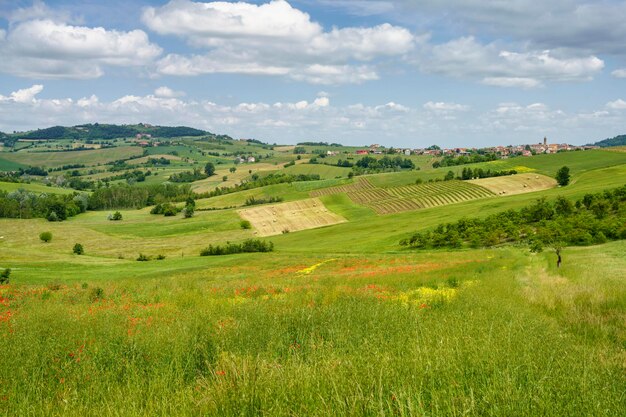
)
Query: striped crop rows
[
  {"x": 408, "y": 197},
  {"x": 359, "y": 185}
]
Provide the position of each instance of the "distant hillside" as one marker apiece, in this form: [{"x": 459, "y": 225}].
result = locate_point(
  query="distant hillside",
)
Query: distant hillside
[
  {"x": 616, "y": 141},
  {"x": 98, "y": 131}
]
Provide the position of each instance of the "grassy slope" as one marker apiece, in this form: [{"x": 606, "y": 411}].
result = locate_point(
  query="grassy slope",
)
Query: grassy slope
[
  {"x": 246, "y": 334},
  {"x": 249, "y": 333},
  {"x": 578, "y": 162},
  {"x": 36, "y": 188},
  {"x": 324, "y": 171},
  {"x": 57, "y": 159}
]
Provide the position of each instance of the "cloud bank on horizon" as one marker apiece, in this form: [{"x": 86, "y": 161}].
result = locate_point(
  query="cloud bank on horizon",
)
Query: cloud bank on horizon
[{"x": 403, "y": 73}]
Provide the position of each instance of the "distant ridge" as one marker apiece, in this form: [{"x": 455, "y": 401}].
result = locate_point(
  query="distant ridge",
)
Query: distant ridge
[
  {"x": 616, "y": 141},
  {"x": 97, "y": 131}
]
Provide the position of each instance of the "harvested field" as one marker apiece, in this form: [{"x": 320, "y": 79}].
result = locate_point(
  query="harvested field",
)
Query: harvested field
[
  {"x": 359, "y": 185},
  {"x": 413, "y": 197},
  {"x": 516, "y": 184},
  {"x": 297, "y": 215},
  {"x": 407, "y": 197}
]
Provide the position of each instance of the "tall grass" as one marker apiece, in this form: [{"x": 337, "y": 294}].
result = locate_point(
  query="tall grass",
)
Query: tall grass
[{"x": 258, "y": 337}]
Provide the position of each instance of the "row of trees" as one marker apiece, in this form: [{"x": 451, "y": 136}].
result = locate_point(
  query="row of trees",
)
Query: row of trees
[
  {"x": 188, "y": 176},
  {"x": 137, "y": 196},
  {"x": 468, "y": 174},
  {"x": 448, "y": 161},
  {"x": 593, "y": 219},
  {"x": 371, "y": 164},
  {"x": 247, "y": 246},
  {"x": 22, "y": 204}
]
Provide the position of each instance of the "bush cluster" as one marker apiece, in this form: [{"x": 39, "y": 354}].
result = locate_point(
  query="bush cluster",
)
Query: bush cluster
[
  {"x": 247, "y": 246},
  {"x": 593, "y": 219},
  {"x": 251, "y": 201}
]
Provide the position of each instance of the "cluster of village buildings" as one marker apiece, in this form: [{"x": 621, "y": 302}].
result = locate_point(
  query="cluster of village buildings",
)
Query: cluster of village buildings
[{"x": 501, "y": 151}]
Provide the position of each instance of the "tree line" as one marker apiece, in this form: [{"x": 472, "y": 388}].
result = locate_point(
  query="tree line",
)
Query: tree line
[{"x": 596, "y": 218}]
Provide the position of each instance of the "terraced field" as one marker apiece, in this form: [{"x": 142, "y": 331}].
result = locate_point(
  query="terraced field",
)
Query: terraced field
[
  {"x": 412, "y": 197},
  {"x": 408, "y": 197},
  {"x": 360, "y": 184}
]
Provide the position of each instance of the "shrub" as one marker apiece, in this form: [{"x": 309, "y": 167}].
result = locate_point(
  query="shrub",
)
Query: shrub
[
  {"x": 142, "y": 258},
  {"x": 245, "y": 224},
  {"x": 160, "y": 257},
  {"x": 45, "y": 236},
  {"x": 189, "y": 209},
  {"x": 115, "y": 216},
  {"x": 78, "y": 249},
  {"x": 4, "y": 276},
  {"x": 96, "y": 293},
  {"x": 247, "y": 246}
]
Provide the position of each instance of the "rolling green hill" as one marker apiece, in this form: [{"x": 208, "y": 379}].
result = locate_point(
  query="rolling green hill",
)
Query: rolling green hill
[
  {"x": 339, "y": 318},
  {"x": 619, "y": 140}
]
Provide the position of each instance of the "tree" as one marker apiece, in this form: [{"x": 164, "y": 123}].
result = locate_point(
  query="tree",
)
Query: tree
[
  {"x": 45, "y": 236},
  {"x": 562, "y": 176},
  {"x": 4, "y": 276},
  {"x": 209, "y": 168},
  {"x": 78, "y": 249},
  {"x": 232, "y": 169},
  {"x": 189, "y": 210},
  {"x": 449, "y": 176}
]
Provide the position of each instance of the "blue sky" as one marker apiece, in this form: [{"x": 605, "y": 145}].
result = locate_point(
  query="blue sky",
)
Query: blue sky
[{"x": 401, "y": 73}]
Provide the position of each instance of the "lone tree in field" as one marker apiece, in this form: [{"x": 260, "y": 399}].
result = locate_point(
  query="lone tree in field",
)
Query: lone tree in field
[
  {"x": 209, "y": 168},
  {"x": 552, "y": 237},
  {"x": 45, "y": 236},
  {"x": 562, "y": 176},
  {"x": 4, "y": 276},
  {"x": 78, "y": 249}
]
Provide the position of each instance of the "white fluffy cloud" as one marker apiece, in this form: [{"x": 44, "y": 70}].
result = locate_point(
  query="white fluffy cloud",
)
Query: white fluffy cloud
[
  {"x": 618, "y": 104},
  {"x": 442, "y": 106},
  {"x": 43, "y": 48},
  {"x": 272, "y": 39},
  {"x": 26, "y": 95},
  {"x": 619, "y": 73},
  {"x": 467, "y": 58},
  {"x": 167, "y": 92},
  {"x": 445, "y": 123}
]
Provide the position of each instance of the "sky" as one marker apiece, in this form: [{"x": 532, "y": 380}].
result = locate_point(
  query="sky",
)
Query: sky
[{"x": 404, "y": 73}]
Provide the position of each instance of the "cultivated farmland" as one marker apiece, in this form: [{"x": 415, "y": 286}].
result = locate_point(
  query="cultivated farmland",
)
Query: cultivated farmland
[
  {"x": 290, "y": 217},
  {"x": 515, "y": 184},
  {"x": 408, "y": 197}
]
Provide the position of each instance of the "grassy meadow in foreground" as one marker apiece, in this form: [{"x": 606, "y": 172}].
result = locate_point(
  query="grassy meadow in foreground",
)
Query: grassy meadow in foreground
[{"x": 493, "y": 332}]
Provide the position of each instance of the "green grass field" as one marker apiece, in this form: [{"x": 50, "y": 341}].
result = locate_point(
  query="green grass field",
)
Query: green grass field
[
  {"x": 34, "y": 187},
  {"x": 58, "y": 159},
  {"x": 338, "y": 320}
]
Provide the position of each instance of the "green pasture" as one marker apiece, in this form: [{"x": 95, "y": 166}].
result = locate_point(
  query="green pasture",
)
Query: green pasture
[
  {"x": 578, "y": 162},
  {"x": 324, "y": 171},
  {"x": 7, "y": 165},
  {"x": 58, "y": 159},
  {"x": 34, "y": 187},
  {"x": 482, "y": 332},
  {"x": 338, "y": 320}
]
